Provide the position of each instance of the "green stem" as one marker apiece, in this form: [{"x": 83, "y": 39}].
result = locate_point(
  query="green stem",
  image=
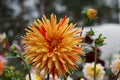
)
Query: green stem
[
  {"x": 28, "y": 69},
  {"x": 95, "y": 60},
  {"x": 83, "y": 25},
  {"x": 117, "y": 75},
  {"x": 29, "y": 75},
  {"x": 65, "y": 78},
  {"x": 48, "y": 77},
  {"x": 26, "y": 65}
]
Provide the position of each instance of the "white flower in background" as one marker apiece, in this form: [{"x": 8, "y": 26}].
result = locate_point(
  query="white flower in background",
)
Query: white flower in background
[
  {"x": 115, "y": 66},
  {"x": 33, "y": 70},
  {"x": 69, "y": 78},
  {"x": 88, "y": 71},
  {"x": 82, "y": 79},
  {"x": 40, "y": 76},
  {"x": 34, "y": 77},
  {"x": 55, "y": 78}
]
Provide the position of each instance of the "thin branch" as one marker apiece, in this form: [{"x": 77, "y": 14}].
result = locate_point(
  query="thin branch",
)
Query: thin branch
[{"x": 95, "y": 60}]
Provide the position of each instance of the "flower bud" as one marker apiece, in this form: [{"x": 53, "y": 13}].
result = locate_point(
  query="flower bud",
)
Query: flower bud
[
  {"x": 8, "y": 73},
  {"x": 91, "y": 13},
  {"x": 12, "y": 68},
  {"x": 100, "y": 40},
  {"x": 91, "y": 32},
  {"x": 13, "y": 50}
]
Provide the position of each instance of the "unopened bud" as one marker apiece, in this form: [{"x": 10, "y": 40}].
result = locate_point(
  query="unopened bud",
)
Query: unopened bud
[
  {"x": 100, "y": 40},
  {"x": 8, "y": 73},
  {"x": 91, "y": 32},
  {"x": 91, "y": 13}
]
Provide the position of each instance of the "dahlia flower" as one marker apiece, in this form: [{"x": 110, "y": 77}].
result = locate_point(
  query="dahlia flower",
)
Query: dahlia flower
[
  {"x": 115, "y": 66},
  {"x": 53, "y": 46},
  {"x": 88, "y": 71}
]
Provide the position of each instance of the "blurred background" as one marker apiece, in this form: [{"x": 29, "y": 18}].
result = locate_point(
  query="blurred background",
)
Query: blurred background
[{"x": 15, "y": 15}]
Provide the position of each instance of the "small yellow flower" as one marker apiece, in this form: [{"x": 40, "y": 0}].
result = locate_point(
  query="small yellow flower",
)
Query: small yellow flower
[
  {"x": 38, "y": 77},
  {"x": 91, "y": 13},
  {"x": 53, "y": 46}
]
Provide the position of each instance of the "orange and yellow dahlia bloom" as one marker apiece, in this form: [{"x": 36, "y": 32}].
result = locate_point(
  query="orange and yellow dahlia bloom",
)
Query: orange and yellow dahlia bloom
[{"x": 53, "y": 47}]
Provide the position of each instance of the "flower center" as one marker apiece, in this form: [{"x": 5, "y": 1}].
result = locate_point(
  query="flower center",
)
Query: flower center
[
  {"x": 38, "y": 77},
  {"x": 54, "y": 44},
  {"x": 119, "y": 65},
  {"x": 91, "y": 70}
]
